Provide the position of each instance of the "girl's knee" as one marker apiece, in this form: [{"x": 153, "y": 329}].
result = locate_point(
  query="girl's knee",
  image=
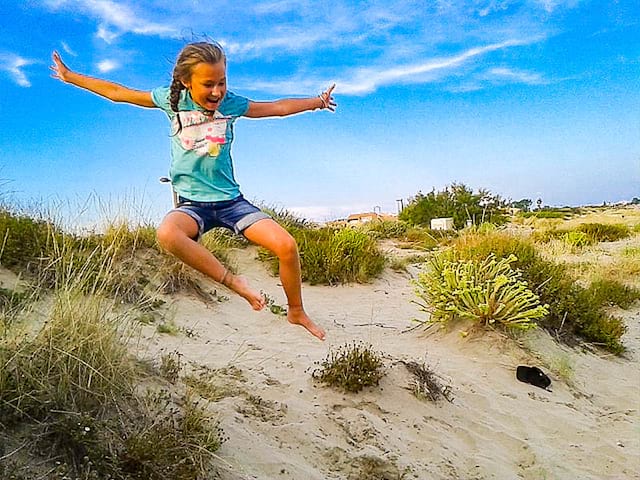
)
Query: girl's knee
[
  {"x": 287, "y": 248},
  {"x": 174, "y": 228},
  {"x": 166, "y": 236},
  {"x": 169, "y": 235}
]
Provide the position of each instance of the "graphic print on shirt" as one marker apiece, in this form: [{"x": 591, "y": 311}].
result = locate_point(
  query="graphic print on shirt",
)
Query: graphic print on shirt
[{"x": 203, "y": 134}]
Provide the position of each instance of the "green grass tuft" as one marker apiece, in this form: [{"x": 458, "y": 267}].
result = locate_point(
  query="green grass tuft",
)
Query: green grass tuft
[{"x": 351, "y": 368}]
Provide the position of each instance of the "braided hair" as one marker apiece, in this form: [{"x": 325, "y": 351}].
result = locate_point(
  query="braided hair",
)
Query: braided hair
[{"x": 189, "y": 57}]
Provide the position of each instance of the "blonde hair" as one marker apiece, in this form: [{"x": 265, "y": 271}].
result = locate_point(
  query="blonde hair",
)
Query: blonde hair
[{"x": 191, "y": 55}]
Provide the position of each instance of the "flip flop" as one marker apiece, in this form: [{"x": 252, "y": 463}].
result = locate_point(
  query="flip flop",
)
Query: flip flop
[{"x": 533, "y": 375}]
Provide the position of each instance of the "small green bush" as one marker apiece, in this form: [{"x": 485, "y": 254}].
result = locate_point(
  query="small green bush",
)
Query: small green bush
[
  {"x": 477, "y": 246},
  {"x": 573, "y": 311},
  {"x": 611, "y": 292},
  {"x": 487, "y": 292},
  {"x": 544, "y": 214},
  {"x": 287, "y": 219},
  {"x": 599, "y": 232},
  {"x": 386, "y": 229},
  {"x": 330, "y": 256},
  {"x": 577, "y": 239},
  {"x": 351, "y": 368},
  {"x": 24, "y": 240}
]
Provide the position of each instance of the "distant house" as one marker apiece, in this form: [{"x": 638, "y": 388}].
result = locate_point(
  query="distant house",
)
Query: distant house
[
  {"x": 442, "y": 223},
  {"x": 362, "y": 218}
]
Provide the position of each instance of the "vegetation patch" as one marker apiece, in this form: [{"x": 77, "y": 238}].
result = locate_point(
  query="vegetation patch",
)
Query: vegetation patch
[
  {"x": 425, "y": 384},
  {"x": 351, "y": 367},
  {"x": 24, "y": 240},
  {"x": 488, "y": 292},
  {"x": 72, "y": 390},
  {"x": 456, "y": 201},
  {"x": 599, "y": 232},
  {"x": 334, "y": 256},
  {"x": 613, "y": 293},
  {"x": 573, "y": 312}
]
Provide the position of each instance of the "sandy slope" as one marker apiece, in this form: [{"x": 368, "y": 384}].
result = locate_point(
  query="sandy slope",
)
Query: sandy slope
[{"x": 282, "y": 426}]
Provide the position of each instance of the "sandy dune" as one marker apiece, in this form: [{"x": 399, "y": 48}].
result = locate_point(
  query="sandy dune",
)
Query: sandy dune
[{"x": 282, "y": 425}]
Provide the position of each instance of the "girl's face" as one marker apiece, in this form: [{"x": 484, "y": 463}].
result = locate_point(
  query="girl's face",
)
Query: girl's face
[{"x": 208, "y": 84}]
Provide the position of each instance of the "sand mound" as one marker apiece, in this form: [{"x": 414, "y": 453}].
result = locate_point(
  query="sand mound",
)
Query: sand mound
[{"x": 282, "y": 425}]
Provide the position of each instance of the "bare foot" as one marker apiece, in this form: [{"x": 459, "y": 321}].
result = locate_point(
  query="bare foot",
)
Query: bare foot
[
  {"x": 240, "y": 285},
  {"x": 297, "y": 316}
]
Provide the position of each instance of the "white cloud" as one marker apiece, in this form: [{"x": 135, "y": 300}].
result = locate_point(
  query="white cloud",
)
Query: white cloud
[
  {"x": 114, "y": 18},
  {"x": 68, "y": 49},
  {"x": 276, "y": 7},
  {"x": 107, "y": 65},
  {"x": 517, "y": 76},
  {"x": 13, "y": 65},
  {"x": 108, "y": 36},
  {"x": 366, "y": 80}
]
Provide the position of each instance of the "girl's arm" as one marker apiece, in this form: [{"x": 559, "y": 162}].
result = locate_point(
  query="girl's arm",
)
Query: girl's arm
[
  {"x": 290, "y": 106},
  {"x": 104, "y": 88}
]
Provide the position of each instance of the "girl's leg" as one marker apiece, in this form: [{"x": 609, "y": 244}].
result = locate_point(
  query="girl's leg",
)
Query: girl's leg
[
  {"x": 176, "y": 233},
  {"x": 270, "y": 235}
]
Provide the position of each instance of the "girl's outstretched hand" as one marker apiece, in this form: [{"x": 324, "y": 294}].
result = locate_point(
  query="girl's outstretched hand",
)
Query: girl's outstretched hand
[
  {"x": 58, "y": 68},
  {"x": 327, "y": 99}
]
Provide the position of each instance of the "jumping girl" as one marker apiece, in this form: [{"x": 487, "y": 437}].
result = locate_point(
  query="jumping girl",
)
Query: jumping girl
[{"x": 202, "y": 113}]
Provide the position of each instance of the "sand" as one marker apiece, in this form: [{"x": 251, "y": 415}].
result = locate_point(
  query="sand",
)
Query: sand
[{"x": 281, "y": 424}]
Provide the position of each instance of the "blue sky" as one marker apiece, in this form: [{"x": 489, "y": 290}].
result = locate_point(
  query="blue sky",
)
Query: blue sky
[{"x": 529, "y": 99}]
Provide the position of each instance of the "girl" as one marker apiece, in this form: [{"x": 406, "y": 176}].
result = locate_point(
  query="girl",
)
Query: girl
[{"x": 202, "y": 113}]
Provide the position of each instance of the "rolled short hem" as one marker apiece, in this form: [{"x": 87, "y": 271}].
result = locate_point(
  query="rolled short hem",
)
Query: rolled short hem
[{"x": 248, "y": 220}]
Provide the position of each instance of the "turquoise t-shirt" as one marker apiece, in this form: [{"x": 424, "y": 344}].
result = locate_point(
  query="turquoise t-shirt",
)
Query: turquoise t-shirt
[{"x": 201, "y": 164}]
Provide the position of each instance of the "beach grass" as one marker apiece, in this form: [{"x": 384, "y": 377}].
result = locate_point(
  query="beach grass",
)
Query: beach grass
[{"x": 71, "y": 390}]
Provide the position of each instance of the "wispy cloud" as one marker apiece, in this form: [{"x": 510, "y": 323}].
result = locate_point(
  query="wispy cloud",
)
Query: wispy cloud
[
  {"x": 114, "y": 18},
  {"x": 13, "y": 65},
  {"x": 515, "y": 76},
  {"x": 366, "y": 80},
  {"x": 68, "y": 49},
  {"x": 276, "y": 7},
  {"x": 290, "y": 41},
  {"x": 107, "y": 65}
]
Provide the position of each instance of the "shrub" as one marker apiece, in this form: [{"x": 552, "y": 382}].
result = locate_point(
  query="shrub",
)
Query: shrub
[
  {"x": 74, "y": 391},
  {"x": 286, "y": 218},
  {"x": 386, "y": 229},
  {"x": 425, "y": 384},
  {"x": 171, "y": 440},
  {"x": 599, "y": 232},
  {"x": 611, "y": 292},
  {"x": 331, "y": 256},
  {"x": 577, "y": 239},
  {"x": 458, "y": 202},
  {"x": 544, "y": 214},
  {"x": 76, "y": 362},
  {"x": 572, "y": 310},
  {"x": 487, "y": 292},
  {"x": 23, "y": 240},
  {"x": 351, "y": 367}
]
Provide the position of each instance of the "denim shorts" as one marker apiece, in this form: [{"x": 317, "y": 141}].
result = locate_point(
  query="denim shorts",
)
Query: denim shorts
[{"x": 237, "y": 215}]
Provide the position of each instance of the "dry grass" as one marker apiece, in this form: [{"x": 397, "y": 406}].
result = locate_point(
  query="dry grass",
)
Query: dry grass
[{"x": 71, "y": 390}]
